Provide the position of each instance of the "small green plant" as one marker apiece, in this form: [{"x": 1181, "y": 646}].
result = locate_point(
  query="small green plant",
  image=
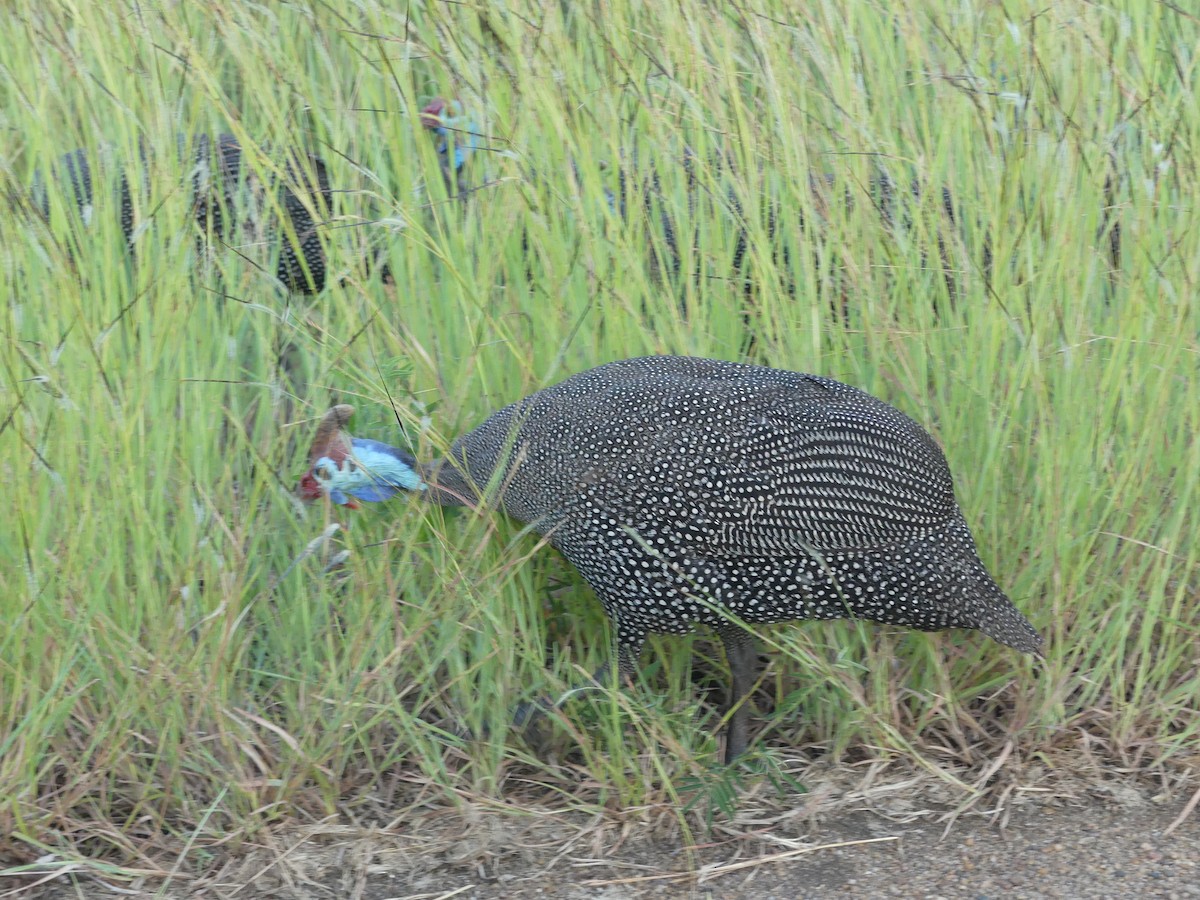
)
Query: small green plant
[{"x": 718, "y": 789}]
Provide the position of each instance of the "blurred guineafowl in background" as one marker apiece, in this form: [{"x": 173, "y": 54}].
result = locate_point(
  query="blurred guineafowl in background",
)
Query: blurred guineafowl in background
[
  {"x": 715, "y": 189},
  {"x": 217, "y": 171},
  {"x": 693, "y": 491},
  {"x": 712, "y": 188},
  {"x": 458, "y": 137}
]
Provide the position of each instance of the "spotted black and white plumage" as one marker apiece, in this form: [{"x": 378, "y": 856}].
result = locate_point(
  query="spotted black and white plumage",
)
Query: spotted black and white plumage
[
  {"x": 685, "y": 490},
  {"x": 216, "y": 175}
]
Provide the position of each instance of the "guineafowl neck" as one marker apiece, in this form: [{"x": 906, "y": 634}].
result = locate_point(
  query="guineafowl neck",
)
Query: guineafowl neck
[{"x": 446, "y": 485}]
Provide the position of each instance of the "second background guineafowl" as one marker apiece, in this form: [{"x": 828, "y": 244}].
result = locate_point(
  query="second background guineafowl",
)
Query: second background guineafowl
[{"x": 218, "y": 170}]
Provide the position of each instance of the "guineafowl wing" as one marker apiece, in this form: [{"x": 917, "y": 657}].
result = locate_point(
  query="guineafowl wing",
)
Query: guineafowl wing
[
  {"x": 785, "y": 469},
  {"x": 727, "y": 459},
  {"x": 846, "y": 476}
]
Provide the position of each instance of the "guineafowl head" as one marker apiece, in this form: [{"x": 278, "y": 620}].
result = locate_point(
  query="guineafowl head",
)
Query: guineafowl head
[
  {"x": 448, "y": 121},
  {"x": 347, "y": 469}
]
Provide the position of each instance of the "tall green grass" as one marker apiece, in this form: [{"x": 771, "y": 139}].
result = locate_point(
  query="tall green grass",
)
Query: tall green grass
[{"x": 170, "y": 676}]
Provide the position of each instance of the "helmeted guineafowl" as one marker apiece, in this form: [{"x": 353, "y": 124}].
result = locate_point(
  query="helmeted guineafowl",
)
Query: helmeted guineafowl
[
  {"x": 713, "y": 189},
  {"x": 693, "y": 491},
  {"x": 216, "y": 173},
  {"x": 458, "y": 137}
]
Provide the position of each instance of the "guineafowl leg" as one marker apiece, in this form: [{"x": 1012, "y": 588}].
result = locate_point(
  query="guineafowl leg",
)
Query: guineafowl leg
[{"x": 741, "y": 652}]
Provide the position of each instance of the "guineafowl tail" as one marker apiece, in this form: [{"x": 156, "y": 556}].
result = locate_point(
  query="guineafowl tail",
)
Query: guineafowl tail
[
  {"x": 1005, "y": 624},
  {"x": 999, "y": 619},
  {"x": 975, "y": 600}
]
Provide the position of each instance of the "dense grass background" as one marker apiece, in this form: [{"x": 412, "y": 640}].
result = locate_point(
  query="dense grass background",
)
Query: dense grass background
[{"x": 170, "y": 679}]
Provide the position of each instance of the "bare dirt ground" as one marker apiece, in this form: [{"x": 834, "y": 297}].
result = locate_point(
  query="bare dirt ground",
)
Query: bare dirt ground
[{"x": 1105, "y": 841}]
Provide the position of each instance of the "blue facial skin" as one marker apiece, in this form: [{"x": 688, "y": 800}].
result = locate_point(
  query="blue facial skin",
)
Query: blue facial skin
[
  {"x": 460, "y": 153},
  {"x": 457, "y": 128},
  {"x": 372, "y": 472}
]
